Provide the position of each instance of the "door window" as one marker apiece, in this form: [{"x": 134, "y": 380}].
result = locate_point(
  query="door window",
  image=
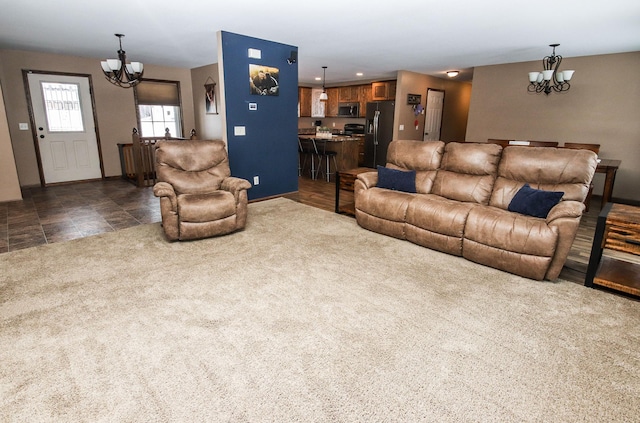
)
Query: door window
[{"x": 62, "y": 107}]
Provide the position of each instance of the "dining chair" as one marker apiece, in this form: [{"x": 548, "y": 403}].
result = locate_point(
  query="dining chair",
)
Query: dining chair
[
  {"x": 503, "y": 143},
  {"x": 543, "y": 143},
  {"x": 585, "y": 146}
]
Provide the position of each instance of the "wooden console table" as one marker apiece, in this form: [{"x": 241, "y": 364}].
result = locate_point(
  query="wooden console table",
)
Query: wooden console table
[
  {"x": 345, "y": 181},
  {"x": 618, "y": 228}
]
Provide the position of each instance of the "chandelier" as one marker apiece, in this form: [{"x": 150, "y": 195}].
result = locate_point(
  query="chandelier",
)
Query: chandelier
[
  {"x": 121, "y": 73},
  {"x": 550, "y": 79}
]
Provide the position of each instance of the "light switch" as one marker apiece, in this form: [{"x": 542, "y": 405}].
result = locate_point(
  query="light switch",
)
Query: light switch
[
  {"x": 253, "y": 106},
  {"x": 239, "y": 131},
  {"x": 23, "y": 126},
  {"x": 254, "y": 53},
  {"x": 401, "y": 128}
]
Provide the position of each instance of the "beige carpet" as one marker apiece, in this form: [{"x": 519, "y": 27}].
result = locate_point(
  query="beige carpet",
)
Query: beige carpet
[{"x": 302, "y": 317}]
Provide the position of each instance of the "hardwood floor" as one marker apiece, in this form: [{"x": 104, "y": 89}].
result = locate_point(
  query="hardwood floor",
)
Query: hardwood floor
[{"x": 60, "y": 213}]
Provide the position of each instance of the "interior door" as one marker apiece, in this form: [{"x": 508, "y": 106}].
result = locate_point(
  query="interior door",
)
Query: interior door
[
  {"x": 433, "y": 115},
  {"x": 66, "y": 136}
]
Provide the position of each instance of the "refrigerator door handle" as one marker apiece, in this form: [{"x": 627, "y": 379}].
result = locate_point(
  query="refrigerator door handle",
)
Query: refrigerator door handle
[{"x": 376, "y": 118}]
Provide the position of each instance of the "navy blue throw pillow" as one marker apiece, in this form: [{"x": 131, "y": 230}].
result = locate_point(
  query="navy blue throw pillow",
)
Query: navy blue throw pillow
[
  {"x": 534, "y": 202},
  {"x": 399, "y": 180}
]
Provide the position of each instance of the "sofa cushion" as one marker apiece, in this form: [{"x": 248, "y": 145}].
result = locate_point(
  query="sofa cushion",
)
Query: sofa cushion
[
  {"x": 395, "y": 179},
  {"x": 510, "y": 231},
  {"x": 534, "y": 202},
  {"x": 423, "y": 157},
  {"x": 467, "y": 172},
  {"x": 384, "y": 203},
  {"x": 382, "y": 210},
  {"x": 436, "y": 222},
  {"x": 198, "y": 207}
]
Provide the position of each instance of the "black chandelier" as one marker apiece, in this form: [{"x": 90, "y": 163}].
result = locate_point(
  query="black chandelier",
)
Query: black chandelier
[
  {"x": 121, "y": 73},
  {"x": 550, "y": 79}
]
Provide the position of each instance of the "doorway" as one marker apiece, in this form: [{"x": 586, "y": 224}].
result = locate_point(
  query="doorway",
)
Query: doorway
[
  {"x": 63, "y": 125},
  {"x": 433, "y": 115}
]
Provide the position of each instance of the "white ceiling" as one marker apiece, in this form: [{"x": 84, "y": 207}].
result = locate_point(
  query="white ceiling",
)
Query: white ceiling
[{"x": 348, "y": 36}]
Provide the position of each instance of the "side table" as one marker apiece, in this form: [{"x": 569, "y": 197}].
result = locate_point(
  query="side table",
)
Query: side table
[
  {"x": 345, "y": 180},
  {"x": 618, "y": 229}
]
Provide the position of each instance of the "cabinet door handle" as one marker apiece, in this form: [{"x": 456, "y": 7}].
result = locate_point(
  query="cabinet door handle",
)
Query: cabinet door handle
[{"x": 632, "y": 241}]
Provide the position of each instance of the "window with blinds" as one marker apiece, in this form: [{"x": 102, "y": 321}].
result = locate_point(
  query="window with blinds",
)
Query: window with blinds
[{"x": 159, "y": 108}]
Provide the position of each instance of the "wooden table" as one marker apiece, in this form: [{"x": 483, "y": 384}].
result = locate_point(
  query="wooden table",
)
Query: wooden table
[
  {"x": 345, "y": 181},
  {"x": 618, "y": 228},
  {"x": 609, "y": 167}
]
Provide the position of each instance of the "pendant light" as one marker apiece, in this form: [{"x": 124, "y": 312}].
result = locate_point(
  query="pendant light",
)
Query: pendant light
[{"x": 324, "y": 96}]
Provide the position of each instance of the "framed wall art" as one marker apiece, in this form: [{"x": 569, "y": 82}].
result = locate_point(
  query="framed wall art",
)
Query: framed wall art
[
  {"x": 264, "y": 80},
  {"x": 211, "y": 105}
]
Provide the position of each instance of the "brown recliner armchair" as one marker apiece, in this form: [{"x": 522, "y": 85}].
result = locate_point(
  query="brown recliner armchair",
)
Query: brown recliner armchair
[{"x": 198, "y": 196}]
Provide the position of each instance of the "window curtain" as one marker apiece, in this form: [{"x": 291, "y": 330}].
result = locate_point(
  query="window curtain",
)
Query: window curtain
[{"x": 154, "y": 93}]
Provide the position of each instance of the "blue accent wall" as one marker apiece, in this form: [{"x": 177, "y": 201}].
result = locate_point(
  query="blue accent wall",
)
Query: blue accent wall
[{"x": 269, "y": 149}]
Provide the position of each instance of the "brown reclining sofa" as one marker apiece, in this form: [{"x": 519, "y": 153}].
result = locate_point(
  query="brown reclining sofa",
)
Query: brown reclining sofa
[{"x": 463, "y": 196}]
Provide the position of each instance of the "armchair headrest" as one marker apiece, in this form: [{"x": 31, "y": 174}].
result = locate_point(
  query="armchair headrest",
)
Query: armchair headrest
[
  {"x": 192, "y": 166},
  {"x": 192, "y": 155}
]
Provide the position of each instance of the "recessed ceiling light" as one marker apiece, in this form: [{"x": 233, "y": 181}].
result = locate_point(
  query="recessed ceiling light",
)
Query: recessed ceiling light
[
  {"x": 318, "y": 78},
  {"x": 359, "y": 74}
]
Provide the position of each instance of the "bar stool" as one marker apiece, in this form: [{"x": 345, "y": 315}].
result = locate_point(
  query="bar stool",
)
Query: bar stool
[
  {"x": 307, "y": 149},
  {"x": 326, "y": 155}
]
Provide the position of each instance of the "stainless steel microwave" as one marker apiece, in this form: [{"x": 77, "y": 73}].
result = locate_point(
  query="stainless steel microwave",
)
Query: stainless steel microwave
[{"x": 349, "y": 109}]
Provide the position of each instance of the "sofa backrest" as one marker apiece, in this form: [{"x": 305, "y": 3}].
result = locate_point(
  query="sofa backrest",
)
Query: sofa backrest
[
  {"x": 467, "y": 172},
  {"x": 192, "y": 166},
  {"x": 545, "y": 168},
  {"x": 422, "y": 156}
]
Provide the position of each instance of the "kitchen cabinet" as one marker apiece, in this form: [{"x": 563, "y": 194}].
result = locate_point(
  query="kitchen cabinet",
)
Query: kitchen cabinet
[
  {"x": 383, "y": 90},
  {"x": 304, "y": 100},
  {"x": 349, "y": 94},
  {"x": 365, "y": 97},
  {"x": 331, "y": 107},
  {"x": 362, "y": 93}
]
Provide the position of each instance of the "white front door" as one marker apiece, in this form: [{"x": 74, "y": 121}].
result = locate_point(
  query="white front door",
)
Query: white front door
[
  {"x": 433, "y": 115},
  {"x": 63, "y": 116}
]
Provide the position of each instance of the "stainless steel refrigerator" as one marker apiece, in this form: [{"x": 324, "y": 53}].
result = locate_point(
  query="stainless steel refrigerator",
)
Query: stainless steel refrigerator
[{"x": 378, "y": 132}]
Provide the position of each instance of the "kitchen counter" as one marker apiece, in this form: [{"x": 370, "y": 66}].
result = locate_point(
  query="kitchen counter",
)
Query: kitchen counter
[{"x": 346, "y": 147}]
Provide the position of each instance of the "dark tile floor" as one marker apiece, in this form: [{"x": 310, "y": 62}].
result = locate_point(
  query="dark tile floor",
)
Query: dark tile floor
[{"x": 64, "y": 212}]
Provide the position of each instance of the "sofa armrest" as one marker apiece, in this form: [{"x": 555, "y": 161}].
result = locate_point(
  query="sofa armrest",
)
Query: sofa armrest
[
  {"x": 235, "y": 185},
  {"x": 164, "y": 189},
  {"x": 565, "y": 209},
  {"x": 369, "y": 179}
]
